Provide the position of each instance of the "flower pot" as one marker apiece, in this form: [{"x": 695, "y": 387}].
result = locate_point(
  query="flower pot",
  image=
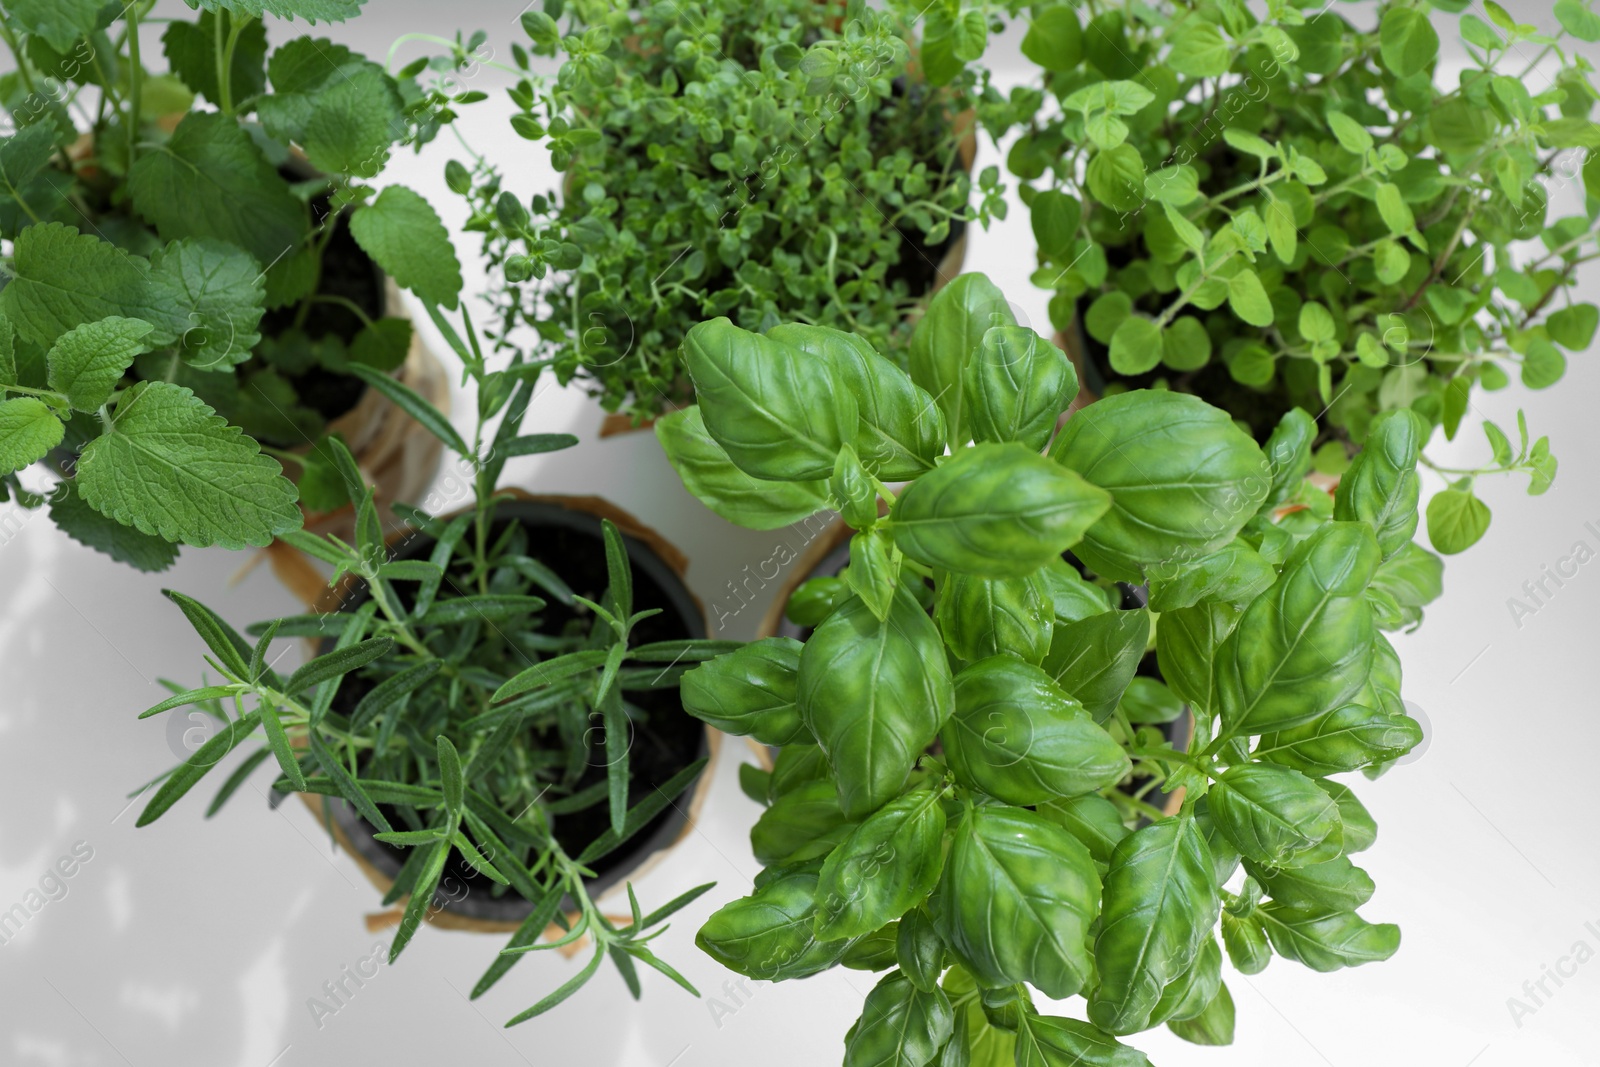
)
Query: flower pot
[
  {"x": 569, "y": 530},
  {"x": 396, "y": 455}
]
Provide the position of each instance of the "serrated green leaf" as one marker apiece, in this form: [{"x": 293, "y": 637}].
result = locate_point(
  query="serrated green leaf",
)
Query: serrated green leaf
[
  {"x": 211, "y": 180},
  {"x": 124, "y": 544},
  {"x": 212, "y": 295},
  {"x": 403, "y": 235},
  {"x": 310, "y": 10},
  {"x": 60, "y": 22},
  {"x": 29, "y": 429},
  {"x": 62, "y": 279},
  {"x": 88, "y": 361},
  {"x": 170, "y": 466},
  {"x": 353, "y": 121}
]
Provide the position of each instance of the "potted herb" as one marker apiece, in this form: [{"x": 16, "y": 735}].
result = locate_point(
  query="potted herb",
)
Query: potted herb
[
  {"x": 1304, "y": 210},
  {"x": 492, "y": 702},
  {"x": 946, "y": 805},
  {"x": 772, "y": 162},
  {"x": 188, "y": 282}
]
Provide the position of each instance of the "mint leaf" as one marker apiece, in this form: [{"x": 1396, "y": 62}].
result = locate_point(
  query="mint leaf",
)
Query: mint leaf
[
  {"x": 305, "y": 63},
  {"x": 212, "y": 294},
  {"x": 403, "y": 234},
  {"x": 28, "y": 431},
  {"x": 310, "y": 10},
  {"x": 298, "y": 70},
  {"x": 191, "y": 49},
  {"x": 354, "y": 120},
  {"x": 89, "y": 360},
  {"x": 60, "y": 22},
  {"x": 170, "y": 466},
  {"x": 122, "y": 543},
  {"x": 62, "y": 279},
  {"x": 211, "y": 180}
]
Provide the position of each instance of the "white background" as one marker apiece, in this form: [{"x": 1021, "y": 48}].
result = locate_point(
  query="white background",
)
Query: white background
[{"x": 194, "y": 942}]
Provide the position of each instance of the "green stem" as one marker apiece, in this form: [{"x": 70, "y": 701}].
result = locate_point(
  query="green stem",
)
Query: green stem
[
  {"x": 135, "y": 83},
  {"x": 341, "y": 301}
]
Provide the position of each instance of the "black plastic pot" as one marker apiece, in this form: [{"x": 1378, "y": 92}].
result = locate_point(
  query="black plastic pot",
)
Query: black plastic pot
[{"x": 570, "y": 541}]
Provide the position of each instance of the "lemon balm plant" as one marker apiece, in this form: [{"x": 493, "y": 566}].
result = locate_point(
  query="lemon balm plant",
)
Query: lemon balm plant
[
  {"x": 774, "y": 161},
  {"x": 196, "y": 263},
  {"x": 1308, "y": 208},
  {"x": 946, "y": 808},
  {"x": 493, "y": 700}
]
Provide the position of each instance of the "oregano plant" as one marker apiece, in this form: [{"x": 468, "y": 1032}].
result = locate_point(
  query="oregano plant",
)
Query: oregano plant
[
  {"x": 960, "y": 800},
  {"x": 190, "y": 290},
  {"x": 466, "y": 701},
  {"x": 775, "y": 161},
  {"x": 1306, "y": 207}
]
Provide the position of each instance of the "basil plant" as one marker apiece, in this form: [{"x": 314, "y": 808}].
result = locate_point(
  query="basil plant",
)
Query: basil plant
[
  {"x": 956, "y": 804},
  {"x": 192, "y": 287},
  {"x": 1303, "y": 208}
]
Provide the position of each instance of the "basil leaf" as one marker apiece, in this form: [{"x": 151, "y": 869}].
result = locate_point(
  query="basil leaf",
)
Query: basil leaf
[
  {"x": 983, "y": 617},
  {"x": 887, "y": 866},
  {"x": 1049, "y": 1041},
  {"x": 1094, "y": 659},
  {"x": 1187, "y": 645},
  {"x": 1234, "y": 574},
  {"x": 769, "y": 934},
  {"x": 1019, "y": 738},
  {"x": 1093, "y": 820},
  {"x": 1160, "y": 905},
  {"x": 918, "y": 948},
  {"x": 1273, "y": 815},
  {"x": 901, "y": 431},
  {"x": 805, "y": 818},
  {"x": 1359, "y": 829},
  {"x": 1303, "y": 647},
  {"x": 1345, "y": 739},
  {"x": 947, "y": 337},
  {"x": 1016, "y": 900},
  {"x": 1246, "y": 943},
  {"x": 1183, "y": 478},
  {"x": 1190, "y": 993},
  {"x": 900, "y": 1026},
  {"x": 1327, "y": 940},
  {"x": 1018, "y": 384},
  {"x": 711, "y": 476},
  {"x": 874, "y": 694},
  {"x": 996, "y": 511},
  {"x": 780, "y": 414},
  {"x": 749, "y": 692},
  {"x": 1213, "y": 1025},
  {"x": 1381, "y": 488},
  {"x": 1335, "y": 885}
]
